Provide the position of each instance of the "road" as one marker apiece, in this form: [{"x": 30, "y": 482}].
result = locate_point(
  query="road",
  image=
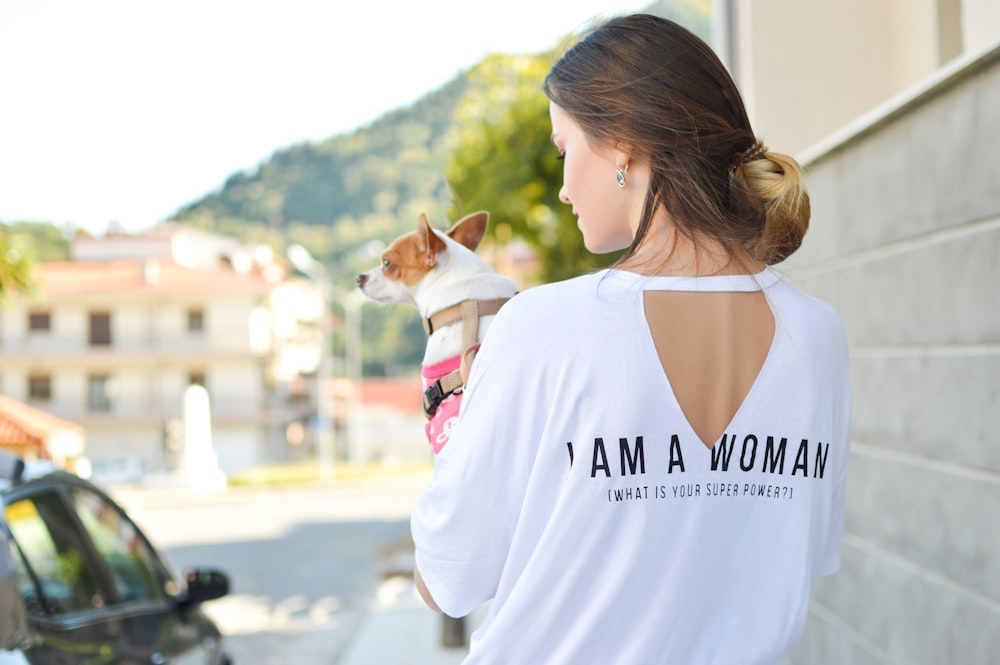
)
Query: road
[{"x": 304, "y": 563}]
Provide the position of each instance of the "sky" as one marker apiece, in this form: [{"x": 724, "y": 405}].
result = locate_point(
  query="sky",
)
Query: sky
[{"x": 122, "y": 111}]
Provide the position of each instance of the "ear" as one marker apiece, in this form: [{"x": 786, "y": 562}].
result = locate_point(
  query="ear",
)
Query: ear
[
  {"x": 622, "y": 153},
  {"x": 469, "y": 230},
  {"x": 428, "y": 242}
]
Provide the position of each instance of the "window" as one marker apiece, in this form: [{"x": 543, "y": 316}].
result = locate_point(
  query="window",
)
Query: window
[
  {"x": 136, "y": 572},
  {"x": 99, "y": 392},
  {"x": 39, "y": 387},
  {"x": 54, "y": 576},
  {"x": 100, "y": 329},
  {"x": 196, "y": 320},
  {"x": 39, "y": 321}
]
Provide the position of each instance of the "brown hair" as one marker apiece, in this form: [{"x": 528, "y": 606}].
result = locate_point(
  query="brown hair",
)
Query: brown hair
[{"x": 648, "y": 82}]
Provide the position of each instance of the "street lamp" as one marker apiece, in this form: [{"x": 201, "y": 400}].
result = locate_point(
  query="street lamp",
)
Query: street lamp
[
  {"x": 326, "y": 439},
  {"x": 352, "y": 355}
]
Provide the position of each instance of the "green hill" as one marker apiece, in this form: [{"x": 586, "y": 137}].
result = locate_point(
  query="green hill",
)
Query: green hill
[{"x": 334, "y": 197}]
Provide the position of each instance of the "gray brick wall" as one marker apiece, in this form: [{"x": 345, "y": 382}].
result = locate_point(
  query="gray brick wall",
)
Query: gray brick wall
[{"x": 905, "y": 243}]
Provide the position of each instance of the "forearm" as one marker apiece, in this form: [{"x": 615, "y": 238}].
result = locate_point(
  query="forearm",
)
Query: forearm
[{"x": 422, "y": 589}]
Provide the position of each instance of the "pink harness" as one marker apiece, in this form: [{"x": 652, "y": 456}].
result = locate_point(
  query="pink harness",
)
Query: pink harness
[{"x": 440, "y": 425}]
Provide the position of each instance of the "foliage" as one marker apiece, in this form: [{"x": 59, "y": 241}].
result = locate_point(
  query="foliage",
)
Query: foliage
[
  {"x": 15, "y": 268},
  {"x": 695, "y": 15},
  {"x": 393, "y": 340},
  {"x": 505, "y": 163},
  {"x": 22, "y": 245},
  {"x": 335, "y": 196},
  {"x": 487, "y": 130}
]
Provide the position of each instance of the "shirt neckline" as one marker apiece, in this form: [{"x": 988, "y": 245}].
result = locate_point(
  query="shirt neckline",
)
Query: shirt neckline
[{"x": 756, "y": 282}]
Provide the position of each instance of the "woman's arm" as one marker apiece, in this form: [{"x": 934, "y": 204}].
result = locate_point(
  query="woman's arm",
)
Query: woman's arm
[{"x": 422, "y": 588}]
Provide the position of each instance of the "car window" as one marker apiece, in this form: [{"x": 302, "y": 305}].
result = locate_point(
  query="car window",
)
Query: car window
[
  {"x": 54, "y": 576},
  {"x": 134, "y": 568}
]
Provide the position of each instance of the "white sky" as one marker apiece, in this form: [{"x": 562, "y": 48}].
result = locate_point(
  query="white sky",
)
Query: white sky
[{"x": 125, "y": 110}]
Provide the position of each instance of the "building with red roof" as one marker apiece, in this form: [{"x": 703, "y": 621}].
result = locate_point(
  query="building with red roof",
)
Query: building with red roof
[{"x": 113, "y": 338}]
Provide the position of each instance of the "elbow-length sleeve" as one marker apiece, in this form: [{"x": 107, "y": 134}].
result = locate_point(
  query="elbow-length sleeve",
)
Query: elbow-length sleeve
[
  {"x": 464, "y": 523},
  {"x": 842, "y": 435}
]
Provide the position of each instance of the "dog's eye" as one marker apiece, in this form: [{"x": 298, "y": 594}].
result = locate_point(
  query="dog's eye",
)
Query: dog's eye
[{"x": 385, "y": 264}]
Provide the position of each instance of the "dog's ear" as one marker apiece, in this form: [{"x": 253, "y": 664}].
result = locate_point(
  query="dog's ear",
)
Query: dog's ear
[
  {"x": 428, "y": 242},
  {"x": 469, "y": 230}
]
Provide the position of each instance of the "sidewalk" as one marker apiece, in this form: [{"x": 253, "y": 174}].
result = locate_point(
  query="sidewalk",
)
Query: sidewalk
[
  {"x": 396, "y": 627},
  {"x": 400, "y": 630}
]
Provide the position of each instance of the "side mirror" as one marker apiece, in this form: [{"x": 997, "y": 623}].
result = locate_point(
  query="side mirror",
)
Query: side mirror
[{"x": 204, "y": 584}]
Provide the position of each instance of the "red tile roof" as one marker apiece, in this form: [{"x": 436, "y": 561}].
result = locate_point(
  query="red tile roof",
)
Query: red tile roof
[
  {"x": 23, "y": 427},
  {"x": 400, "y": 394},
  {"x": 150, "y": 276}
]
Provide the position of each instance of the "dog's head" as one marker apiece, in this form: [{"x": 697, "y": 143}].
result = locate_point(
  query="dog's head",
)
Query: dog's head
[{"x": 411, "y": 259}]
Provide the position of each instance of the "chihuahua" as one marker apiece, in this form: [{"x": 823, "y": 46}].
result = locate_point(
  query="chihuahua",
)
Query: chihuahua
[{"x": 457, "y": 296}]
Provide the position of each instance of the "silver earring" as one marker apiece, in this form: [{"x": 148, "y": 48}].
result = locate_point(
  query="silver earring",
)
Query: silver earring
[{"x": 620, "y": 175}]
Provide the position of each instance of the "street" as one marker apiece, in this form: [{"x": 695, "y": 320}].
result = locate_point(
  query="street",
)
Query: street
[{"x": 304, "y": 563}]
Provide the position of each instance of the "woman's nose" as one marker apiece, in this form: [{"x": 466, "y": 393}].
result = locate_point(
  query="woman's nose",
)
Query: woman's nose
[{"x": 562, "y": 195}]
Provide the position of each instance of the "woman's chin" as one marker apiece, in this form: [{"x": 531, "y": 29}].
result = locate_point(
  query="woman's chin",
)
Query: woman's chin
[{"x": 606, "y": 247}]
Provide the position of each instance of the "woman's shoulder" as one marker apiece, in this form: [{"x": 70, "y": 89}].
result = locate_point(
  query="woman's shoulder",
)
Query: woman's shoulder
[
  {"x": 797, "y": 299},
  {"x": 551, "y": 306},
  {"x": 813, "y": 316},
  {"x": 544, "y": 295}
]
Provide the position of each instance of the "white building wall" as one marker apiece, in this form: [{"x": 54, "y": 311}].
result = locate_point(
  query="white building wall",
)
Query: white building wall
[
  {"x": 806, "y": 69},
  {"x": 236, "y": 388},
  {"x": 238, "y": 446},
  {"x": 150, "y": 361},
  {"x": 980, "y": 24},
  {"x": 130, "y": 326}
]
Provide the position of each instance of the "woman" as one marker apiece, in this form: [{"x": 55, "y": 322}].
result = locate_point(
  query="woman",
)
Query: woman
[{"x": 650, "y": 462}]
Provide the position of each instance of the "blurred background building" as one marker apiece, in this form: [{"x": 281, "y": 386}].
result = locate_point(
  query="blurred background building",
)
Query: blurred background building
[{"x": 114, "y": 337}]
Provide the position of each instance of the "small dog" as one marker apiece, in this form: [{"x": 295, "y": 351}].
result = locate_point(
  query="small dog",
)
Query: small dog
[{"x": 457, "y": 296}]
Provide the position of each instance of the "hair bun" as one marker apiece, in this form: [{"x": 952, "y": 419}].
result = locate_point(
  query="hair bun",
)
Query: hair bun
[
  {"x": 753, "y": 153},
  {"x": 776, "y": 180}
]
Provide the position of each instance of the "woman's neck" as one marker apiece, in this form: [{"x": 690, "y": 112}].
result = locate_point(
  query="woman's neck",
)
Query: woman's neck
[{"x": 666, "y": 252}]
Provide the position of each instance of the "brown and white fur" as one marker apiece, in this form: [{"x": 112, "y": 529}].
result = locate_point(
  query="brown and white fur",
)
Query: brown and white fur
[{"x": 433, "y": 270}]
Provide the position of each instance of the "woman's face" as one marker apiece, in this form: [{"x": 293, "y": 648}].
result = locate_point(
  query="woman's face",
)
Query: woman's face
[{"x": 590, "y": 186}]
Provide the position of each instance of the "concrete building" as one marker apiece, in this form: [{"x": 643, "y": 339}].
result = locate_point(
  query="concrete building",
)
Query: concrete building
[
  {"x": 893, "y": 107},
  {"x": 115, "y": 337}
]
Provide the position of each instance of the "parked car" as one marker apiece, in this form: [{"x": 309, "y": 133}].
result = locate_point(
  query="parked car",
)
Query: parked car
[{"x": 94, "y": 588}]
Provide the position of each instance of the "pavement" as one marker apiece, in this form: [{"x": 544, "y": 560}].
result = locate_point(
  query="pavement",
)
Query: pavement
[
  {"x": 396, "y": 627},
  {"x": 400, "y": 630}
]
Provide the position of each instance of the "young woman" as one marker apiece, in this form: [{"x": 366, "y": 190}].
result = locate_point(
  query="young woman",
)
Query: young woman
[{"x": 650, "y": 462}]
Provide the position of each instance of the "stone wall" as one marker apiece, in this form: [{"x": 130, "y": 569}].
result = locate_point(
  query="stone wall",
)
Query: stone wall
[{"x": 905, "y": 243}]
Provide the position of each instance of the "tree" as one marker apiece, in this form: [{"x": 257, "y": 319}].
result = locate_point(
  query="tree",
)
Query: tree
[
  {"x": 16, "y": 267},
  {"x": 505, "y": 163}
]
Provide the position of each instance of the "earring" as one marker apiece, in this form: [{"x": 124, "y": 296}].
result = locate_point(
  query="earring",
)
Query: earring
[{"x": 620, "y": 175}]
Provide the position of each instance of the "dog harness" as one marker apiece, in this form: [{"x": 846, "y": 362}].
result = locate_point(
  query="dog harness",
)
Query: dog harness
[
  {"x": 444, "y": 415},
  {"x": 442, "y": 382}
]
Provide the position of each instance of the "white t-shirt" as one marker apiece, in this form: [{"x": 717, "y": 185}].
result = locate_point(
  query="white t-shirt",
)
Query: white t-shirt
[{"x": 575, "y": 494}]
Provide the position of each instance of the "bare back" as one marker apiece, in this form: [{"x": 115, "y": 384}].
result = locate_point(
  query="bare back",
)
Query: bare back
[{"x": 712, "y": 346}]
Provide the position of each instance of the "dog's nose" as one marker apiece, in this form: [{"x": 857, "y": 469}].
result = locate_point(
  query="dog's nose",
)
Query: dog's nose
[{"x": 362, "y": 278}]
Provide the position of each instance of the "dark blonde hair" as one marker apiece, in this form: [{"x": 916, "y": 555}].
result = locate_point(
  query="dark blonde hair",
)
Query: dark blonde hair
[{"x": 649, "y": 83}]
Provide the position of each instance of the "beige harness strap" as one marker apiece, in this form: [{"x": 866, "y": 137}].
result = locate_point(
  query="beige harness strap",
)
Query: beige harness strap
[
  {"x": 469, "y": 312},
  {"x": 456, "y": 313},
  {"x": 470, "y": 317}
]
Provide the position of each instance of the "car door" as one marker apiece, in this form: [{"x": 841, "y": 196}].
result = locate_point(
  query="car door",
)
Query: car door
[
  {"x": 66, "y": 606},
  {"x": 96, "y": 590},
  {"x": 154, "y": 627}
]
